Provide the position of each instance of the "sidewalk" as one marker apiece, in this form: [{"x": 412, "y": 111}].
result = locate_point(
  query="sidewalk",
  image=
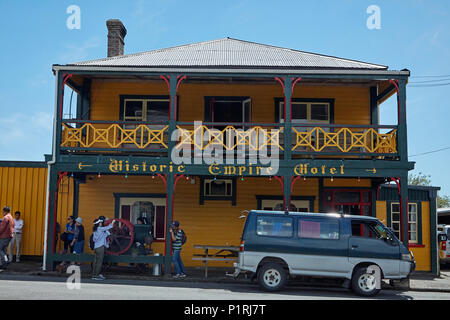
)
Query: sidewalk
[{"x": 420, "y": 281}]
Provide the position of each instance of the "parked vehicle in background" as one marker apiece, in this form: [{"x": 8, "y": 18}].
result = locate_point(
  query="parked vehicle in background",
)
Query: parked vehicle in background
[
  {"x": 444, "y": 243},
  {"x": 278, "y": 245}
]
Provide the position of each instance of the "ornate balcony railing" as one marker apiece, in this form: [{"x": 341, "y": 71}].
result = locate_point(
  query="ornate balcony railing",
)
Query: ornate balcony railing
[
  {"x": 307, "y": 139},
  {"x": 230, "y": 136},
  {"x": 346, "y": 139},
  {"x": 81, "y": 134}
]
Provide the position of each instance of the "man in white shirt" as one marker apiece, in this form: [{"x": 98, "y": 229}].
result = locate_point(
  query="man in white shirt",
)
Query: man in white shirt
[{"x": 17, "y": 237}]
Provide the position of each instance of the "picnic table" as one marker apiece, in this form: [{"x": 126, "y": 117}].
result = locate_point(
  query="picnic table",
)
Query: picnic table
[{"x": 215, "y": 253}]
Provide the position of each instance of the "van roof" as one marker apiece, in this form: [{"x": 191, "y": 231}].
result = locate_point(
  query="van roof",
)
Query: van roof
[{"x": 310, "y": 214}]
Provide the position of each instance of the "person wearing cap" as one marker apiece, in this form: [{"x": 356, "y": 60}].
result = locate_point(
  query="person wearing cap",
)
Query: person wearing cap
[
  {"x": 17, "y": 237},
  {"x": 6, "y": 234},
  {"x": 100, "y": 234},
  {"x": 177, "y": 236},
  {"x": 78, "y": 240}
]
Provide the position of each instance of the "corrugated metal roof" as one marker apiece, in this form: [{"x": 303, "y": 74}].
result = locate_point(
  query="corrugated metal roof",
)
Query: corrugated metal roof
[{"x": 229, "y": 52}]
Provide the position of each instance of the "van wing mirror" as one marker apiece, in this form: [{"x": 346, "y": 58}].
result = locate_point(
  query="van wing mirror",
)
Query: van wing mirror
[{"x": 442, "y": 237}]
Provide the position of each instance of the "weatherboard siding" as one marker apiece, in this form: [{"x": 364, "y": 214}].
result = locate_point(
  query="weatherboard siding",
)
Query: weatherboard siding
[{"x": 351, "y": 104}]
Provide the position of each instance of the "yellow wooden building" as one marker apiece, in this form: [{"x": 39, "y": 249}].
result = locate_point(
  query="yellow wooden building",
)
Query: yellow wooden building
[{"x": 203, "y": 132}]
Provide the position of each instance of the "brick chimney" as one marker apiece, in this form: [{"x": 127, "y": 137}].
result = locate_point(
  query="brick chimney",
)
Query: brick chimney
[{"x": 116, "y": 36}]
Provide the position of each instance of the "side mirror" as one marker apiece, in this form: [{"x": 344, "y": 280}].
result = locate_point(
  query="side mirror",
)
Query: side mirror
[{"x": 442, "y": 237}]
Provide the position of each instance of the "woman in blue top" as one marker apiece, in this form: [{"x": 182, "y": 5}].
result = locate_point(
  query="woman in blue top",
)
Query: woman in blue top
[
  {"x": 70, "y": 234},
  {"x": 100, "y": 234}
]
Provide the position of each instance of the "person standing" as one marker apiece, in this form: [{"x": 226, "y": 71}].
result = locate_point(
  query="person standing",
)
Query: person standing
[
  {"x": 17, "y": 237},
  {"x": 177, "y": 242},
  {"x": 100, "y": 234},
  {"x": 78, "y": 240},
  {"x": 69, "y": 235},
  {"x": 6, "y": 234}
]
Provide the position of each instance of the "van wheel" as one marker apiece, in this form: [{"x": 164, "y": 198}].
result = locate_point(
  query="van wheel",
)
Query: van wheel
[
  {"x": 272, "y": 277},
  {"x": 364, "y": 283}
]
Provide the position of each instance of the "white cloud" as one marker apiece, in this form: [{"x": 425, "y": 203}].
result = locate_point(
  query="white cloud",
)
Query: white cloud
[
  {"x": 26, "y": 136},
  {"x": 80, "y": 52}
]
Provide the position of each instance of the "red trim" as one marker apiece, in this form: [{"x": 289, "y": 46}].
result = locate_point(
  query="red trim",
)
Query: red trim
[
  {"x": 176, "y": 180},
  {"x": 163, "y": 178},
  {"x": 65, "y": 78},
  {"x": 61, "y": 175},
  {"x": 166, "y": 80},
  {"x": 281, "y": 81},
  {"x": 292, "y": 93},
  {"x": 179, "y": 80}
]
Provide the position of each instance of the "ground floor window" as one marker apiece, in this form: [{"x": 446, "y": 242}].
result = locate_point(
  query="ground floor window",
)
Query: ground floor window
[
  {"x": 275, "y": 203},
  {"x": 149, "y": 210},
  {"x": 348, "y": 201},
  {"x": 412, "y": 221}
]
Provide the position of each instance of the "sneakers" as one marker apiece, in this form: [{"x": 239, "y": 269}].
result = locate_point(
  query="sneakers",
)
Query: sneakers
[
  {"x": 100, "y": 277},
  {"x": 183, "y": 275},
  {"x": 179, "y": 276}
]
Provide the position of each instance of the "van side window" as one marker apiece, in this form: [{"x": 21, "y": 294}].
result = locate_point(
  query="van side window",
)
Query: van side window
[
  {"x": 318, "y": 228},
  {"x": 274, "y": 226},
  {"x": 368, "y": 229}
]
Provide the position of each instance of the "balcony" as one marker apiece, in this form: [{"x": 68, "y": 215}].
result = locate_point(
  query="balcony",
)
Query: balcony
[{"x": 307, "y": 140}]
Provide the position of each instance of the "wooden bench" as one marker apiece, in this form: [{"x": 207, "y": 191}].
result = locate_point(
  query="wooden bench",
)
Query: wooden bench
[{"x": 218, "y": 255}]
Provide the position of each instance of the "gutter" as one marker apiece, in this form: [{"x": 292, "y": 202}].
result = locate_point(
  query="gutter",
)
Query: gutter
[{"x": 230, "y": 71}]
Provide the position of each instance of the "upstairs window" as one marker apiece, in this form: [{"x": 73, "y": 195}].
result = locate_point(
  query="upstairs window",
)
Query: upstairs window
[
  {"x": 304, "y": 111},
  {"x": 144, "y": 108}
]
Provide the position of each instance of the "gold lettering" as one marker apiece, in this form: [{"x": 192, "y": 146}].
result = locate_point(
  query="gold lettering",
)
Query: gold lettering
[
  {"x": 342, "y": 169},
  {"x": 333, "y": 170},
  {"x": 323, "y": 169},
  {"x": 114, "y": 166},
  {"x": 135, "y": 167},
  {"x": 127, "y": 166},
  {"x": 301, "y": 169},
  {"x": 314, "y": 170},
  {"x": 230, "y": 170},
  {"x": 162, "y": 167},
  {"x": 144, "y": 166},
  {"x": 214, "y": 167},
  {"x": 242, "y": 169},
  {"x": 181, "y": 168},
  {"x": 153, "y": 168}
]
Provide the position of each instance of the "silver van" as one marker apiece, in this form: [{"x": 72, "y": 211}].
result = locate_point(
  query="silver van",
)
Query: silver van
[{"x": 278, "y": 245}]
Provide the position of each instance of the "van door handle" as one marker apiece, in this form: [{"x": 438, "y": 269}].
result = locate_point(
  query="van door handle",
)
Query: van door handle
[{"x": 354, "y": 246}]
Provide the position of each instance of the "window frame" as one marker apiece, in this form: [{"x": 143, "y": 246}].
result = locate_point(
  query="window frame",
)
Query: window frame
[
  {"x": 279, "y": 110},
  {"x": 204, "y": 197},
  {"x": 417, "y": 222},
  {"x": 144, "y": 99},
  {"x": 319, "y": 219},
  {"x": 244, "y": 100},
  {"x": 274, "y": 236}
]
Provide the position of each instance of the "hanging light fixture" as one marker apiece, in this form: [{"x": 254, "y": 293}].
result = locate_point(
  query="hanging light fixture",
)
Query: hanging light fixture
[{"x": 99, "y": 175}]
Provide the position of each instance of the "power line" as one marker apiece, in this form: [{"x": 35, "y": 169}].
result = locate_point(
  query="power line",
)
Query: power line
[
  {"x": 427, "y": 81},
  {"x": 429, "y": 85},
  {"x": 443, "y": 76},
  {"x": 434, "y": 151}
]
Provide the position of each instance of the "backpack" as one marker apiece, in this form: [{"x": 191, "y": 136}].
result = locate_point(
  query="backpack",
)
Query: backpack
[
  {"x": 91, "y": 242},
  {"x": 183, "y": 237}
]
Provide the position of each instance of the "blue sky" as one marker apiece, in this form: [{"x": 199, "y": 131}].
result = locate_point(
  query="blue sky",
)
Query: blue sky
[{"x": 414, "y": 34}]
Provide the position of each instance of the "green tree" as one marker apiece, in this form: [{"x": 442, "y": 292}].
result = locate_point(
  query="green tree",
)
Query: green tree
[{"x": 422, "y": 179}]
